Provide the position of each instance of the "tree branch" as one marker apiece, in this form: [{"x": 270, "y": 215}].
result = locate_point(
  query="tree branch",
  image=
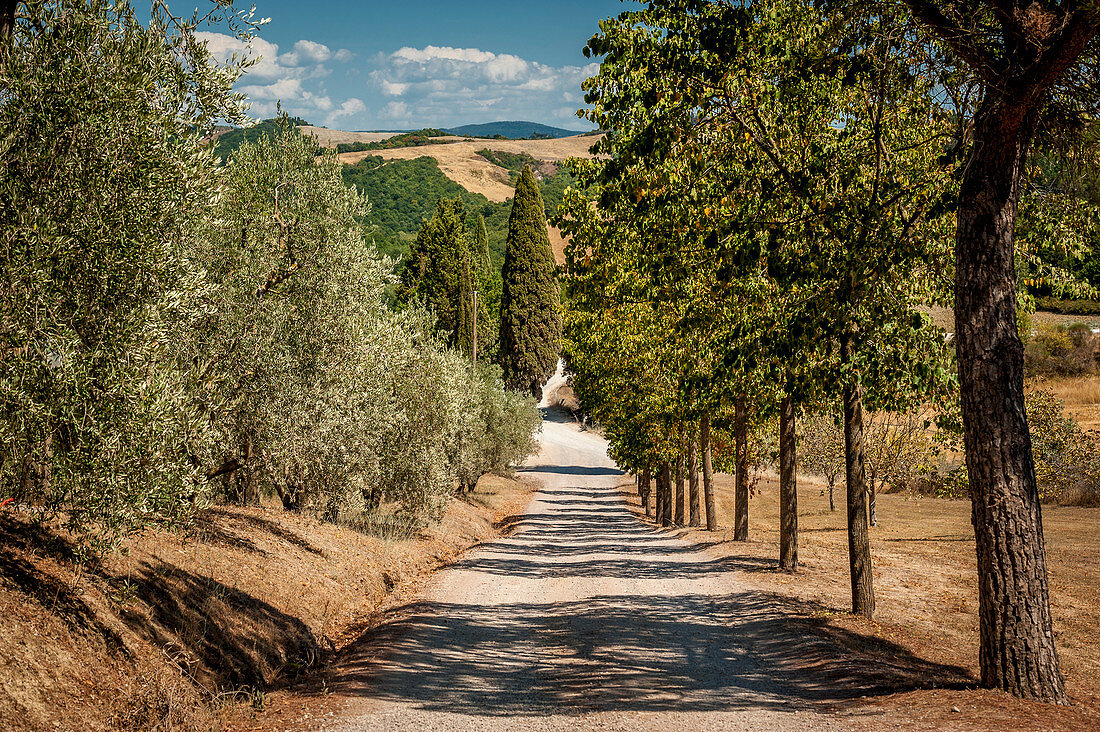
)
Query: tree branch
[
  {"x": 1066, "y": 47},
  {"x": 957, "y": 39}
]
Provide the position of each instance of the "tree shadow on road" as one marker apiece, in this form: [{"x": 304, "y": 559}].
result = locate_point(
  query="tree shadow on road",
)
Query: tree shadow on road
[{"x": 625, "y": 652}]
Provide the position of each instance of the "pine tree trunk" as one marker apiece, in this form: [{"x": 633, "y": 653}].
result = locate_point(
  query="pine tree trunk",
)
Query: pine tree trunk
[
  {"x": 694, "y": 499},
  {"x": 741, "y": 470},
  {"x": 788, "y": 488},
  {"x": 681, "y": 474},
  {"x": 859, "y": 546},
  {"x": 708, "y": 474},
  {"x": 1016, "y": 649}
]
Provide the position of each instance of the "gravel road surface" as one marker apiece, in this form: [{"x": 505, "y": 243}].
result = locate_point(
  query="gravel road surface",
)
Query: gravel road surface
[{"x": 583, "y": 618}]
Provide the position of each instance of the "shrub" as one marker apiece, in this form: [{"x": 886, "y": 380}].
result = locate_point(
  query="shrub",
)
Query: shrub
[
  {"x": 1067, "y": 461},
  {"x": 1061, "y": 350}
]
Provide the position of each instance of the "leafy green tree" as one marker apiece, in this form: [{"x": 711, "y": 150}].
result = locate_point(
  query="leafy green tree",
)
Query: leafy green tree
[{"x": 530, "y": 312}]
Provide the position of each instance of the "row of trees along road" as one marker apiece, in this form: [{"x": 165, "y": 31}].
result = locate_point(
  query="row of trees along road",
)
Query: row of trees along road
[
  {"x": 177, "y": 330},
  {"x": 783, "y": 184}
]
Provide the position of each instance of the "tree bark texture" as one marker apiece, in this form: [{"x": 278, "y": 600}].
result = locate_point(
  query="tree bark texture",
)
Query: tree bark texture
[
  {"x": 788, "y": 488},
  {"x": 741, "y": 471},
  {"x": 859, "y": 544},
  {"x": 681, "y": 474},
  {"x": 694, "y": 499},
  {"x": 1016, "y": 649},
  {"x": 708, "y": 474},
  {"x": 647, "y": 485}
]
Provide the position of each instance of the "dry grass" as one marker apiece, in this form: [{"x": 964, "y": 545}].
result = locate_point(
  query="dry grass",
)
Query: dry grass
[
  {"x": 460, "y": 162},
  {"x": 1081, "y": 395},
  {"x": 193, "y": 630},
  {"x": 926, "y": 594},
  {"x": 332, "y": 138}
]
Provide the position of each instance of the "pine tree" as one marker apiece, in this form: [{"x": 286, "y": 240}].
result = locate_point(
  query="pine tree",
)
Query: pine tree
[
  {"x": 481, "y": 250},
  {"x": 530, "y": 317}
]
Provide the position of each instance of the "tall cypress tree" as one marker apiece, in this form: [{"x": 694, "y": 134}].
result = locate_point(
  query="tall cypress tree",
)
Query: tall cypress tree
[
  {"x": 438, "y": 271},
  {"x": 530, "y": 311}
]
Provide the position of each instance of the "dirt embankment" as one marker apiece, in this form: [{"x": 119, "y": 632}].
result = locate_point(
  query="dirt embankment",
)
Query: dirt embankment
[{"x": 194, "y": 630}]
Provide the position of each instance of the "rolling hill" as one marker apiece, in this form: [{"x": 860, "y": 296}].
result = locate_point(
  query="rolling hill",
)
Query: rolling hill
[{"x": 512, "y": 130}]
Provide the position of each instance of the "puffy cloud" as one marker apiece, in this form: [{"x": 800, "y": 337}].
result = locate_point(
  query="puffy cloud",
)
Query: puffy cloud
[
  {"x": 291, "y": 78},
  {"x": 348, "y": 108}
]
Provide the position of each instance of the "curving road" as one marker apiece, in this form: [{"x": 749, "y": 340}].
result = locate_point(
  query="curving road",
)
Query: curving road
[{"x": 583, "y": 618}]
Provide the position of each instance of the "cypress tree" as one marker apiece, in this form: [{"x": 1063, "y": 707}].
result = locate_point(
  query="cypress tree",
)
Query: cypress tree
[
  {"x": 438, "y": 271},
  {"x": 530, "y": 312},
  {"x": 481, "y": 250}
]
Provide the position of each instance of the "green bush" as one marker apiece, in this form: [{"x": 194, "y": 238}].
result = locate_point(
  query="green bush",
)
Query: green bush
[{"x": 1061, "y": 351}]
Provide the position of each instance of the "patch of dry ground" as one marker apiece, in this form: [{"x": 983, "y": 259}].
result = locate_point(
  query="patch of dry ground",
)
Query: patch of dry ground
[
  {"x": 460, "y": 162},
  {"x": 332, "y": 138},
  {"x": 945, "y": 318},
  {"x": 179, "y": 628},
  {"x": 1081, "y": 395},
  {"x": 926, "y": 596}
]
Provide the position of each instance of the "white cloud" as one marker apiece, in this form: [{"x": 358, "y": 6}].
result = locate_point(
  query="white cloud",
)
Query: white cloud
[
  {"x": 395, "y": 110},
  {"x": 393, "y": 89},
  {"x": 284, "y": 89},
  {"x": 348, "y": 108}
]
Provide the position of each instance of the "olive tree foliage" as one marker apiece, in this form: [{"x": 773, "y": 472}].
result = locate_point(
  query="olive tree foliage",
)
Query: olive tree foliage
[
  {"x": 317, "y": 391},
  {"x": 102, "y": 172}
]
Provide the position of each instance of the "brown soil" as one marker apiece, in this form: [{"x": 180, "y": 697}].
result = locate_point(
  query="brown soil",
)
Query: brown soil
[
  {"x": 188, "y": 632},
  {"x": 924, "y": 571}
]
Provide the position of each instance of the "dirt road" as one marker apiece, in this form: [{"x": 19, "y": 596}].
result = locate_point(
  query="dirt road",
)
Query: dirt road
[{"x": 584, "y": 618}]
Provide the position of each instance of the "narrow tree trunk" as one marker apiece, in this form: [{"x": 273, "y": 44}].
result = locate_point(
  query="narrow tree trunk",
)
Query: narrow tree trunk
[
  {"x": 832, "y": 484},
  {"x": 741, "y": 471},
  {"x": 788, "y": 488},
  {"x": 681, "y": 473},
  {"x": 872, "y": 494},
  {"x": 647, "y": 486},
  {"x": 664, "y": 495},
  {"x": 694, "y": 507},
  {"x": 859, "y": 546},
  {"x": 708, "y": 474},
  {"x": 1016, "y": 649}
]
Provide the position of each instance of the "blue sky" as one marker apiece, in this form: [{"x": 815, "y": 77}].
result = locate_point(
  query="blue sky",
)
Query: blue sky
[{"x": 395, "y": 65}]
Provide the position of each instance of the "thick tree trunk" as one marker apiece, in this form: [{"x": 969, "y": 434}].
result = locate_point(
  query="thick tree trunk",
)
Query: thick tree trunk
[
  {"x": 694, "y": 499},
  {"x": 859, "y": 546},
  {"x": 741, "y": 471},
  {"x": 664, "y": 495},
  {"x": 681, "y": 474},
  {"x": 788, "y": 488},
  {"x": 1016, "y": 649},
  {"x": 708, "y": 474}
]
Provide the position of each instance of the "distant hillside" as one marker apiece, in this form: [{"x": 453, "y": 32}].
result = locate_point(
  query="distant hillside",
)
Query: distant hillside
[
  {"x": 233, "y": 139},
  {"x": 512, "y": 130}
]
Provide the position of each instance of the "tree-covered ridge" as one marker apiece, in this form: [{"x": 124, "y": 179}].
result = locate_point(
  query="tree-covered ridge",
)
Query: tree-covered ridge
[
  {"x": 418, "y": 138},
  {"x": 512, "y": 162},
  {"x": 226, "y": 143},
  {"x": 512, "y": 131}
]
